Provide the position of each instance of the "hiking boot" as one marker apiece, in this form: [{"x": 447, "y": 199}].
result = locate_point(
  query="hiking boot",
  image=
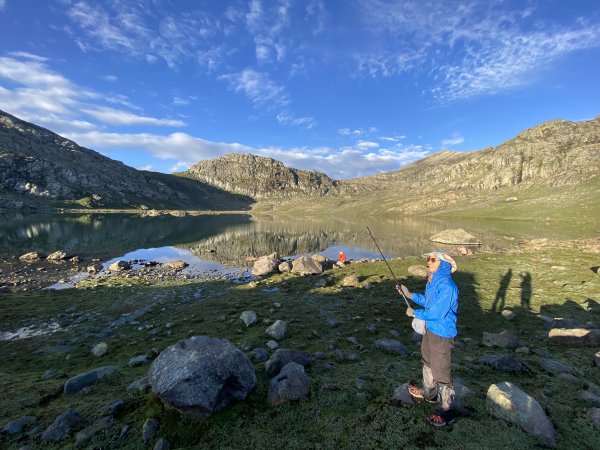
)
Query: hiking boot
[
  {"x": 419, "y": 394},
  {"x": 441, "y": 419}
]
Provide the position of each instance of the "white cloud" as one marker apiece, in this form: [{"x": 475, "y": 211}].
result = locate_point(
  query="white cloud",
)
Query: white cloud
[
  {"x": 180, "y": 166},
  {"x": 118, "y": 117},
  {"x": 258, "y": 88},
  {"x": 181, "y": 101},
  {"x": 454, "y": 140},
  {"x": 364, "y": 145},
  {"x": 2, "y": 5},
  {"x": 111, "y": 78},
  {"x": 146, "y": 167}
]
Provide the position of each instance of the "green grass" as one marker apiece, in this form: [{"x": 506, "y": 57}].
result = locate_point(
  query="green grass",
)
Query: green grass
[{"x": 344, "y": 417}]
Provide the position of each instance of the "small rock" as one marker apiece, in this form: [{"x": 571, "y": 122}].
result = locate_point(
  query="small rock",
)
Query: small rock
[
  {"x": 78, "y": 382},
  {"x": 138, "y": 360},
  {"x": 418, "y": 271},
  {"x": 139, "y": 385},
  {"x": 61, "y": 426},
  {"x": 402, "y": 396},
  {"x": 555, "y": 367},
  {"x": 249, "y": 318},
  {"x": 16, "y": 426},
  {"x": 259, "y": 355},
  {"x": 292, "y": 383},
  {"x": 272, "y": 344},
  {"x": 277, "y": 330},
  {"x": 504, "y": 339},
  {"x": 115, "y": 407},
  {"x": 351, "y": 281},
  {"x": 119, "y": 266},
  {"x": 508, "y": 314},
  {"x": 392, "y": 346},
  {"x": 594, "y": 415},
  {"x": 85, "y": 435},
  {"x": 149, "y": 429},
  {"x": 574, "y": 336},
  {"x": 100, "y": 349},
  {"x": 162, "y": 444}
]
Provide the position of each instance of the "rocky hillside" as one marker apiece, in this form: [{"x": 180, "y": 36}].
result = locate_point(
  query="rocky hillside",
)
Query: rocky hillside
[
  {"x": 260, "y": 177},
  {"x": 41, "y": 164}
]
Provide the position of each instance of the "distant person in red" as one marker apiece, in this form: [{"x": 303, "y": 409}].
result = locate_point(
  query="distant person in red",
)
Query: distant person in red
[{"x": 342, "y": 257}]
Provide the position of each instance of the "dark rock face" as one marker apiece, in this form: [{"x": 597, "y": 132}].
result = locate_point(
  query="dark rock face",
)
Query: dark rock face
[
  {"x": 260, "y": 177},
  {"x": 39, "y": 163},
  {"x": 201, "y": 375}
]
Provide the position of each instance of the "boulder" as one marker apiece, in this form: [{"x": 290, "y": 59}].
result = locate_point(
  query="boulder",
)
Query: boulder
[
  {"x": 505, "y": 363},
  {"x": 249, "y": 318},
  {"x": 292, "y": 383},
  {"x": 259, "y": 355},
  {"x": 201, "y": 375},
  {"x": 457, "y": 236},
  {"x": 392, "y": 346},
  {"x": 594, "y": 415},
  {"x": 265, "y": 265},
  {"x": 277, "y": 330},
  {"x": 57, "y": 256},
  {"x": 86, "y": 435},
  {"x": 78, "y": 382},
  {"x": 417, "y": 271},
  {"x": 402, "y": 396},
  {"x": 138, "y": 360},
  {"x": 504, "y": 339},
  {"x": 351, "y": 281},
  {"x": 284, "y": 356},
  {"x": 32, "y": 256},
  {"x": 306, "y": 265},
  {"x": 61, "y": 426},
  {"x": 16, "y": 426},
  {"x": 506, "y": 401},
  {"x": 119, "y": 266},
  {"x": 175, "y": 265},
  {"x": 94, "y": 268},
  {"x": 149, "y": 429},
  {"x": 100, "y": 349},
  {"x": 574, "y": 336},
  {"x": 285, "y": 266},
  {"x": 555, "y": 367},
  {"x": 162, "y": 444}
]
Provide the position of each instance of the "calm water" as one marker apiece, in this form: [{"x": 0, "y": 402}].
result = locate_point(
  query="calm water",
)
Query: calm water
[{"x": 232, "y": 240}]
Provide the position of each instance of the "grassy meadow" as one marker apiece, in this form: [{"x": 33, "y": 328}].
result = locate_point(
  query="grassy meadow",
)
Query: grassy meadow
[{"x": 340, "y": 411}]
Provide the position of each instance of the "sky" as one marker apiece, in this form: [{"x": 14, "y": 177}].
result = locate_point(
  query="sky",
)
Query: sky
[{"x": 350, "y": 88}]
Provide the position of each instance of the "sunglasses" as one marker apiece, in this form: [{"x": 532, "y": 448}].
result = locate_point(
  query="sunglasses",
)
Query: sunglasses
[{"x": 431, "y": 259}]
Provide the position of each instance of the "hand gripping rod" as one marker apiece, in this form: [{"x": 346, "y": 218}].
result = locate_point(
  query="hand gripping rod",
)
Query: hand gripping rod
[{"x": 388, "y": 266}]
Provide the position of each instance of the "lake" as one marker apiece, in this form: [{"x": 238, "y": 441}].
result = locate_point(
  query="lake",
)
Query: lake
[{"x": 231, "y": 240}]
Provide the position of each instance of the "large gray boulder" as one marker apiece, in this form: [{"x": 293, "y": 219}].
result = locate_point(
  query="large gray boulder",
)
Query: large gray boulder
[
  {"x": 306, "y": 265},
  {"x": 506, "y": 401},
  {"x": 277, "y": 330},
  {"x": 292, "y": 383},
  {"x": 61, "y": 426},
  {"x": 455, "y": 237},
  {"x": 201, "y": 375},
  {"x": 283, "y": 356},
  {"x": 265, "y": 265},
  {"x": 504, "y": 339}
]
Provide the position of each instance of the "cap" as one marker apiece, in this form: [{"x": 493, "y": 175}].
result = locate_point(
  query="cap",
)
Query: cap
[{"x": 444, "y": 257}]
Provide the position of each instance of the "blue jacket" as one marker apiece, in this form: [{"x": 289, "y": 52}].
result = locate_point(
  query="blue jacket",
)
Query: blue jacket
[{"x": 440, "y": 301}]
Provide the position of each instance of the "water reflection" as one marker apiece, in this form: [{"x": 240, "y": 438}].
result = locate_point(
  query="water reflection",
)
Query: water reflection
[{"x": 232, "y": 239}]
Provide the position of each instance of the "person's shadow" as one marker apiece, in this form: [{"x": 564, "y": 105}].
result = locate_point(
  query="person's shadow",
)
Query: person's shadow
[
  {"x": 526, "y": 289},
  {"x": 500, "y": 300}
]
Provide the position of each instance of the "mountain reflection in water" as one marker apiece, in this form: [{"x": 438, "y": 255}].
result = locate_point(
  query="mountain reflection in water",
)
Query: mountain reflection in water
[{"x": 234, "y": 239}]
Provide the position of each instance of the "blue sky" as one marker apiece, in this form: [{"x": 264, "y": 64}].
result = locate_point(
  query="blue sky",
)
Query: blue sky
[{"x": 347, "y": 87}]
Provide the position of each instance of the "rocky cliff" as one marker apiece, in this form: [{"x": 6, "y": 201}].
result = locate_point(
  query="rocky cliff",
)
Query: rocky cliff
[
  {"x": 41, "y": 164},
  {"x": 260, "y": 177}
]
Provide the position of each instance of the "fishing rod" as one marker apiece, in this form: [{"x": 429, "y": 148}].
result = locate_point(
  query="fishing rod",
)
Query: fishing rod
[{"x": 388, "y": 266}]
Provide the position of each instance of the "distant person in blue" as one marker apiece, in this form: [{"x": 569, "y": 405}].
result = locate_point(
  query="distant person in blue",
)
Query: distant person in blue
[{"x": 440, "y": 303}]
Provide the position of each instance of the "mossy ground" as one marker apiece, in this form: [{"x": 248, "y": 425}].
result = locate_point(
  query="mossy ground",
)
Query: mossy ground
[{"x": 336, "y": 414}]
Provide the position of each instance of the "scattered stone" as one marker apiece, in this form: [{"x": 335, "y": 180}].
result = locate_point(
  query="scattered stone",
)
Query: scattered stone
[
  {"x": 94, "y": 268},
  {"x": 32, "y": 256},
  {"x": 48, "y": 374},
  {"x": 306, "y": 265},
  {"x": 284, "y": 356},
  {"x": 508, "y": 314},
  {"x": 505, "y": 363},
  {"x": 149, "y": 429},
  {"x": 245, "y": 346},
  {"x": 333, "y": 322},
  {"x": 57, "y": 256},
  {"x": 259, "y": 355},
  {"x": 115, "y": 407},
  {"x": 86, "y": 435},
  {"x": 176, "y": 265},
  {"x": 372, "y": 328},
  {"x": 162, "y": 444},
  {"x": 504, "y": 339},
  {"x": 506, "y": 401},
  {"x": 265, "y": 265},
  {"x": 119, "y": 266},
  {"x": 249, "y": 318},
  {"x": 574, "y": 336},
  {"x": 339, "y": 355},
  {"x": 292, "y": 383},
  {"x": 522, "y": 351},
  {"x": 285, "y": 267},
  {"x": 554, "y": 367},
  {"x": 456, "y": 237},
  {"x": 594, "y": 415},
  {"x": 417, "y": 271},
  {"x": 590, "y": 397},
  {"x": 351, "y": 281},
  {"x": 402, "y": 396},
  {"x": 100, "y": 349},
  {"x": 138, "y": 360},
  {"x": 597, "y": 359},
  {"x": 78, "y": 382},
  {"x": 391, "y": 345},
  {"x": 201, "y": 375},
  {"x": 16, "y": 426},
  {"x": 139, "y": 385},
  {"x": 272, "y": 344},
  {"x": 277, "y": 330},
  {"x": 61, "y": 426}
]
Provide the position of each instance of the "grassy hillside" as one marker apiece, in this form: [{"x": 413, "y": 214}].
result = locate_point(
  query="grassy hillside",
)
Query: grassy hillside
[{"x": 340, "y": 412}]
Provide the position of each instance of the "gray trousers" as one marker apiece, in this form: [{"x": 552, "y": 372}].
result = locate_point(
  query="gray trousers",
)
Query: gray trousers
[{"x": 436, "y": 354}]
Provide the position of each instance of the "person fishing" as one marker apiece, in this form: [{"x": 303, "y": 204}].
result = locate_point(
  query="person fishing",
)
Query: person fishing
[{"x": 440, "y": 302}]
